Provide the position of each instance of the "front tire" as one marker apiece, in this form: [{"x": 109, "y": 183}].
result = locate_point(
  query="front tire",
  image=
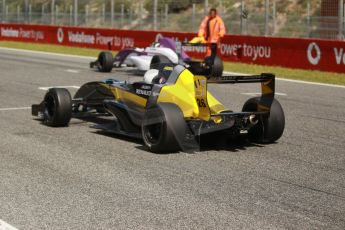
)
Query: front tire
[
  {"x": 268, "y": 129},
  {"x": 163, "y": 128},
  {"x": 105, "y": 60},
  {"x": 58, "y": 107}
]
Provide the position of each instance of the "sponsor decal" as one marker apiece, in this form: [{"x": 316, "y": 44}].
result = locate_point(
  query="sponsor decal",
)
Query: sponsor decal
[
  {"x": 195, "y": 49},
  {"x": 156, "y": 94},
  {"x": 339, "y": 56},
  {"x": 149, "y": 87},
  {"x": 31, "y": 34},
  {"x": 127, "y": 42},
  {"x": 9, "y": 32},
  {"x": 143, "y": 92},
  {"x": 114, "y": 41},
  {"x": 143, "y": 89},
  {"x": 244, "y": 50},
  {"x": 21, "y": 33},
  {"x": 60, "y": 35},
  {"x": 314, "y": 53},
  {"x": 76, "y": 37},
  {"x": 104, "y": 40}
]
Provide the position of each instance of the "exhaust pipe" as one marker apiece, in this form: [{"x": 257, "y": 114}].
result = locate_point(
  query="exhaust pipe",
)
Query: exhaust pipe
[{"x": 253, "y": 120}]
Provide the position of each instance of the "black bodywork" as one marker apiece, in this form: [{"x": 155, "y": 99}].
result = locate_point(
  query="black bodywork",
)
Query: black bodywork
[{"x": 127, "y": 103}]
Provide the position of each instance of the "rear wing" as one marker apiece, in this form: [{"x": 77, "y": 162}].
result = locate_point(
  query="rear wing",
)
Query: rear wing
[
  {"x": 180, "y": 45},
  {"x": 212, "y": 46},
  {"x": 233, "y": 79},
  {"x": 267, "y": 81}
]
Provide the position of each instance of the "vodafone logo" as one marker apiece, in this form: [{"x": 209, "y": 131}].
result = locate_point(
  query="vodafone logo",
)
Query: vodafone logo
[
  {"x": 314, "y": 53},
  {"x": 60, "y": 35}
]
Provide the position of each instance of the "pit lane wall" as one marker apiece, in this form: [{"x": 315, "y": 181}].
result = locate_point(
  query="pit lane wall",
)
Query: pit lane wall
[{"x": 324, "y": 55}]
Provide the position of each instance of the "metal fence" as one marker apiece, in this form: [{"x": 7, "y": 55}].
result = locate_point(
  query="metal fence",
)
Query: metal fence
[{"x": 302, "y": 18}]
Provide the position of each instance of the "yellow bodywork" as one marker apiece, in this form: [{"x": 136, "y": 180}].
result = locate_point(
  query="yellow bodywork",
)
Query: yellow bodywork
[
  {"x": 127, "y": 97},
  {"x": 191, "y": 95}
]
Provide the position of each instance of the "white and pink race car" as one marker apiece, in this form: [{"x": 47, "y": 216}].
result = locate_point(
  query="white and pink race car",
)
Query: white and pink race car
[{"x": 166, "y": 50}]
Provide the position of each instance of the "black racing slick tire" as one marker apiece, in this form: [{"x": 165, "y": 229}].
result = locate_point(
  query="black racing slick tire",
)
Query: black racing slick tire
[
  {"x": 105, "y": 60},
  {"x": 268, "y": 129},
  {"x": 57, "y": 107},
  {"x": 163, "y": 128},
  {"x": 217, "y": 67}
]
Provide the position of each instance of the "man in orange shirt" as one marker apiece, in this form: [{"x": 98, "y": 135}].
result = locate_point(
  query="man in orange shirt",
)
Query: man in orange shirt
[
  {"x": 211, "y": 30},
  {"x": 212, "y": 27}
]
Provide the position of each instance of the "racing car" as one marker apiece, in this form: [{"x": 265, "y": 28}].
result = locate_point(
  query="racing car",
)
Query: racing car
[
  {"x": 166, "y": 50},
  {"x": 170, "y": 109}
]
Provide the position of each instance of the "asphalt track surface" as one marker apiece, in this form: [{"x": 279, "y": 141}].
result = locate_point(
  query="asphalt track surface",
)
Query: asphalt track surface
[{"x": 77, "y": 178}]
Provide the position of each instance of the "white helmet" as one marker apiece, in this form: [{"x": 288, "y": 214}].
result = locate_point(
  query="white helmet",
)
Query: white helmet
[{"x": 149, "y": 75}]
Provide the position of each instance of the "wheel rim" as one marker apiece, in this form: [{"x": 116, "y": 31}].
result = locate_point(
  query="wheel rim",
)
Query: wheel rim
[{"x": 153, "y": 132}]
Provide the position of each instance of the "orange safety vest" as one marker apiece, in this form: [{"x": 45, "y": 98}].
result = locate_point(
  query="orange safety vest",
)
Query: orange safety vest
[{"x": 217, "y": 29}]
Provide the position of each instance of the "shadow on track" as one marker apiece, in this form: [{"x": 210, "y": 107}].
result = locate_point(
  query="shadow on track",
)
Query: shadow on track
[{"x": 207, "y": 142}]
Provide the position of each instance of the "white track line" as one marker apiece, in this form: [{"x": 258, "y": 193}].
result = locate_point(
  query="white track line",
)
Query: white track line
[
  {"x": 45, "y": 88},
  {"x": 254, "y": 94},
  {"x": 17, "y": 108},
  {"x": 311, "y": 83},
  {"x": 235, "y": 73},
  {"x": 47, "y": 53},
  {"x": 72, "y": 71},
  {"x": 6, "y": 226}
]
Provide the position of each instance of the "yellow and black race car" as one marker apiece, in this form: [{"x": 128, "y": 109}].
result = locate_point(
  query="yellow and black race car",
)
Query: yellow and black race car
[{"x": 170, "y": 109}]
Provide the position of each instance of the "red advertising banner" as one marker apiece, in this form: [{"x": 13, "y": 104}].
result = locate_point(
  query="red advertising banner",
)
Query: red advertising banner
[{"x": 313, "y": 54}]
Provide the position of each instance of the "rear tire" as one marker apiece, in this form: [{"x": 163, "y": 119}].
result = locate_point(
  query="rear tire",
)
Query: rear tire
[
  {"x": 58, "y": 107},
  {"x": 268, "y": 129},
  {"x": 217, "y": 68},
  {"x": 163, "y": 128},
  {"x": 105, "y": 60}
]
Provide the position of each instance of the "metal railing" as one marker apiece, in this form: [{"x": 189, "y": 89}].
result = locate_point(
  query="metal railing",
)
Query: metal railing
[{"x": 266, "y": 18}]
